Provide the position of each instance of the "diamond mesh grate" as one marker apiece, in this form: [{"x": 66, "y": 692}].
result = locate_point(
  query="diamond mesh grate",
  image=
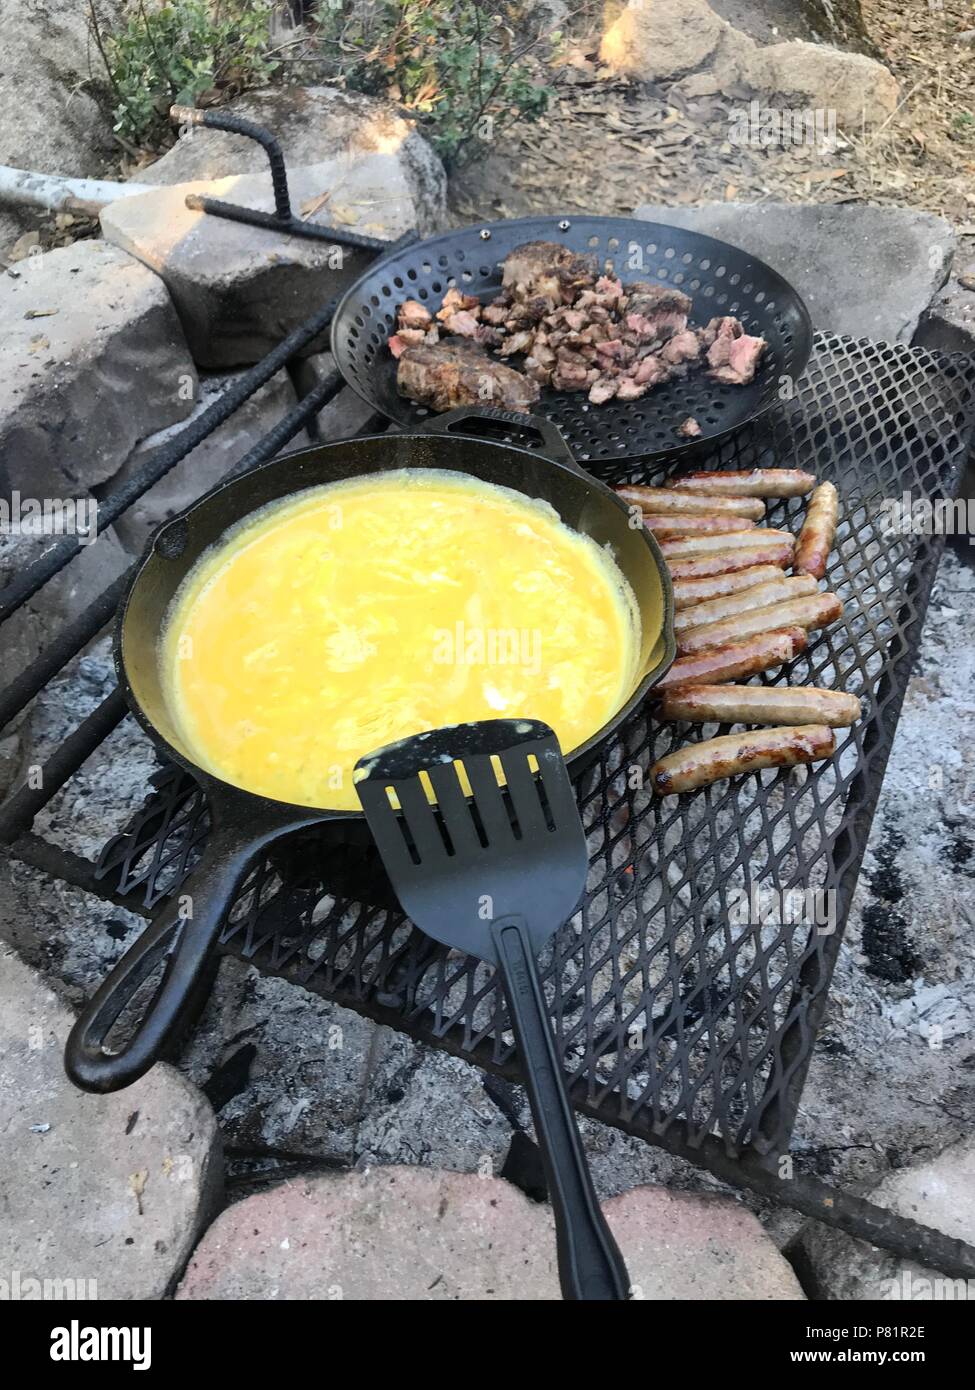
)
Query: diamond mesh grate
[{"x": 672, "y": 1005}]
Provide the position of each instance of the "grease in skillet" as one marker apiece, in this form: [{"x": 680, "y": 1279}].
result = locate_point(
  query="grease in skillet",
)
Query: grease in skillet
[{"x": 361, "y": 612}]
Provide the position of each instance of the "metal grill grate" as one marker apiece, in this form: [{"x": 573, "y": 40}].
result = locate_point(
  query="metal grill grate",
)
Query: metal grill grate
[{"x": 670, "y": 1009}]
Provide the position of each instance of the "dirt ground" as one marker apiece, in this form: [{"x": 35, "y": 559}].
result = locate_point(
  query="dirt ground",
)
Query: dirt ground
[{"x": 609, "y": 144}]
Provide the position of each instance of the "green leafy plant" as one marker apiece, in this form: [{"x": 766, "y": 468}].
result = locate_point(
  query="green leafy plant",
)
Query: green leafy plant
[
  {"x": 456, "y": 64},
  {"x": 963, "y": 125},
  {"x": 180, "y": 51}
]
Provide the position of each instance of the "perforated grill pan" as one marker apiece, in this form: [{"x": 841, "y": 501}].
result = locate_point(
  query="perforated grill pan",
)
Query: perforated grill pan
[{"x": 720, "y": 279}]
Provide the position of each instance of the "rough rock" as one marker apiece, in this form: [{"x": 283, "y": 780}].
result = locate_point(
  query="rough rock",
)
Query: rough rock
[
  {"x": 948, "y": 323},
  {"x": 673, "y": 39},
  {"x": 859, "y": 89},
  {"x": 82, "y": 324},
  {"x": 109, "y": 1190},
  {"x": 210, "y": 461},
  {"x": 939, "y": 1193},
  {"x": 313, "y": 125},
  {"x": 664, "y": 40},
  {"x": 51, "y": 118},
  {"x": 866, "y": 271},
  {"x": 239, "y": 289},
  {"x": 770, "y": 21},
  {"x": 413, "y": 1233}
]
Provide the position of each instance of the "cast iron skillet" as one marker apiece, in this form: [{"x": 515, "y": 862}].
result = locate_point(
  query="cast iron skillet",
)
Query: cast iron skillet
[
  {"x": 243, "y": 823},
  {"x": 720, "y": 279}
]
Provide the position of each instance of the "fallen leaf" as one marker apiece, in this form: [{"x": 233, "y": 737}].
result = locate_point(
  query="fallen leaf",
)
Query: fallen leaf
[
  {"x": 39, "y": 313},
  {"x": 38, "y": 343},
  {"x": 822, "y": 175},
  {"x": 342, "y": 214},
  {"x": 730, "y": 193},
  {"x": 137, "y": 1185}
]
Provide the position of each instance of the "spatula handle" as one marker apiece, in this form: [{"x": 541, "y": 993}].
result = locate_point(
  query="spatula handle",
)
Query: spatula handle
[{"x": 590, "y": 1264}]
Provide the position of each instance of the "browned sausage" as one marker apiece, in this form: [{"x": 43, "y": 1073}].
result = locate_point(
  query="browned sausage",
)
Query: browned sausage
[
  {"x": 733, "y": 540},
  {"x": 688, "y": 593},
  {"x": 715, "y": 758},
  {"x": 660, "y": 500},
  {"x": 813, "y": 611},
  {"x": 736, "y": 660},
  {"x": 760, "y": 704},
  {"x": 753, "y": 482},
  {"x": 818, "y": 531},
  {"x": 716, "y": 610},
  {"x": 682, "y": 524},
  {"x": 729, "y": 561}
]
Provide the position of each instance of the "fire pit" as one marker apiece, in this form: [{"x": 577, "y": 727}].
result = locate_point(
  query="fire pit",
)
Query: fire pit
[{"x": 688, "y": 990}]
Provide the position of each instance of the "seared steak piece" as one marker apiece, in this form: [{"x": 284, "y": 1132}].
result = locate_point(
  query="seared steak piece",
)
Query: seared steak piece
[
  {"x": 546, "y": 270},
  {"x": 656, "y": 311},
  {"x": 682, "y": 347},
  {"x": 457, "y": 373},
  {"x": 742, "y": 362},
  {"x": 733, "y": 354}
]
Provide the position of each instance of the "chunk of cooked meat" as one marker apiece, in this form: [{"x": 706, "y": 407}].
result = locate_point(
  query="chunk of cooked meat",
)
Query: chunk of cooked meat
[
  {"x": 662, "y": 308},
  {"x": 682, "y": 347},
  {"x": 517, "y": 342},
  {"x": 544, "y": 269},
  {"x": 447, "y": 375},
  {"x": 603, "y": 389},
  {"x": 743, "y": 358},
  {"x": 455, "y": 302},
  {"x": 718, "y": 337},
  {"x": 690, "y": 429},
  {"x": 413, "y": 314}
]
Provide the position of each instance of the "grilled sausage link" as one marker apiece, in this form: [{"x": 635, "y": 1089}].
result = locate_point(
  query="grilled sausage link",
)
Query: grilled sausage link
[
  {"x": 736, "y": 660},
  {"x": 733, "y": 540},
  {"x": 813, "y": 611},
  {"x": 662, "y": 500},
  {"x": 760, "y": 704},
  {"x": 672, "y": 524},
  {"x": 776, "y": 590},
  {"x": 818, "y": 531},
  {"x": 690, "y": 593},
  {"x": 731, "y": 561},
  {"x": 716, "y": 758},
  {"x": 753, "y": 482}
]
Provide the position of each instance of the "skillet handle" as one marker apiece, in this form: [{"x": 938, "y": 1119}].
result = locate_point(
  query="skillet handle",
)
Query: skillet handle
[
  {"x": 466, "y": 419},
  {"x": 590, "y": 1264},
  {"x": 184, "y": 932}
]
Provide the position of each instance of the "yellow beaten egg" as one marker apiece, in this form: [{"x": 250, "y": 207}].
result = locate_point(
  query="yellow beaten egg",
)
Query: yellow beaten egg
[{"x": 361, "y": 612}]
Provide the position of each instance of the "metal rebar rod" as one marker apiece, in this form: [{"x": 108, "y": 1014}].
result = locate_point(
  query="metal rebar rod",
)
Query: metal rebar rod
[
  {"x": 18, "y": 811},
  {"x": 237, "y": 125},
  {"x": 68, "y": 643},
  {"x": 256, "y": 217}
]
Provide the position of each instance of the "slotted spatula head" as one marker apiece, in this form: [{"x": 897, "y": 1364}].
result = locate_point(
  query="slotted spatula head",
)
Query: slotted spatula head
[{"x": 461, "y": 850}]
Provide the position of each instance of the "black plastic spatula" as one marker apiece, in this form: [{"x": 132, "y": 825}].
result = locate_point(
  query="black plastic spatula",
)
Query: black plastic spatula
[{"x": 495, "y": 873}]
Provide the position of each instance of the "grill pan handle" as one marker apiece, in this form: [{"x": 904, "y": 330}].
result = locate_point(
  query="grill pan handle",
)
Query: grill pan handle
[
  {"x": 540, "y": 431},
  {"x": 182, "y": 934}
]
